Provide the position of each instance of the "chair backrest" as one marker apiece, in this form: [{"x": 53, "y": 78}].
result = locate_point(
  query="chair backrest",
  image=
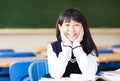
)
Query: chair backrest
[
  {"x": 19, "y": 70},
  {"x": 37, "y": 69},
  {"x": 4, "y": 71},
  {"x": 115, "y": 46},
  {"x": 105, "y": 51},
  {"x": 16, "y": 54},
  {"x": 4, "y": 74},
  {"x": 6, "y": 50},
  {"x": 105, "y": 65}
]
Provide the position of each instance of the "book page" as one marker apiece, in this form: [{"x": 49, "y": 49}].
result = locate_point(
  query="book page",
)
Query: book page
[
  {"x": 112, "y": 75},
  {"x": 79, "y": 77},
  {"x": 51, "y": 79}
]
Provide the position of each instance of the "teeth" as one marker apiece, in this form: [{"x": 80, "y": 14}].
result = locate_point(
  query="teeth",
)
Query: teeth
[{"x": 71, "y": 35}]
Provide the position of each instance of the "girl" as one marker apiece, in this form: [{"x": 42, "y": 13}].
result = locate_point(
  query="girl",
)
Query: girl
[{"x": 74, "y": 51}]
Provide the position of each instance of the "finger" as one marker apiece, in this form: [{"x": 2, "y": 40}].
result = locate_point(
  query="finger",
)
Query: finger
[
  {"x": 80, "y": 37},
  {"x": 63, "y": 36},
  {"x": 61, "y": 32}
]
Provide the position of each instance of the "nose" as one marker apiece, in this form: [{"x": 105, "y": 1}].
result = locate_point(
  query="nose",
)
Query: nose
[{"x": 71, "y": 28}]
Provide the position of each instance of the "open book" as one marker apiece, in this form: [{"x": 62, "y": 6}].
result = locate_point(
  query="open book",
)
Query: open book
[
  {"x": 112, "y": 75},
  {"x": 105, "y": 76},
  {"x": 51, "y": 79},
  {"x": 78, "y": 77}
]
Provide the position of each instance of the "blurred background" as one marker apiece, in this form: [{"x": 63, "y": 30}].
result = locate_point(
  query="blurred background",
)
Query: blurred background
[
  {"x": 26, "y": 24},
  {"x": 44, "y": 13}
]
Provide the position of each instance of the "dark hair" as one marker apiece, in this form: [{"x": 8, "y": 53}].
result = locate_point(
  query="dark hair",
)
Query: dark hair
[{"x": 87, "y": 43}]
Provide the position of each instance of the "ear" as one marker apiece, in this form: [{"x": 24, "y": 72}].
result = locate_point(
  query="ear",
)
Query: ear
[{"x": 59, "y": 26}]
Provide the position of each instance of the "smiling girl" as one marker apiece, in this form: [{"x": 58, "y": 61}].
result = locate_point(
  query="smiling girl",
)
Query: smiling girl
[{"x": 74, "y": 51}]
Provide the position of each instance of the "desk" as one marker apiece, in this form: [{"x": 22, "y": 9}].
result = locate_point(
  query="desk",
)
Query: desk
[
  {"x": 108, "y": 57},
  {"x": 5, "y": 62}
]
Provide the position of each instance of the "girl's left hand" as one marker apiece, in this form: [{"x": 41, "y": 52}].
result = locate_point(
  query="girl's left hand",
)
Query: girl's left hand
[{"x": 80, "y": 37}]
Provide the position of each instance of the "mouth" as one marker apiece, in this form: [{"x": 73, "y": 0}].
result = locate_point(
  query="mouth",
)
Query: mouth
[{"x": 72, "y": 35}]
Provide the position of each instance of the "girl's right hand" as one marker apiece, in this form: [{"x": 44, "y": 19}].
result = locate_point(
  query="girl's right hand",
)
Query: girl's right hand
[
  {"x": 80, "y": 37},
  {"x": 63, "y": 36}
]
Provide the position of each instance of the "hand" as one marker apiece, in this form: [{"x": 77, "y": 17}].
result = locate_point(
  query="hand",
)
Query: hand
[
  {"x": 63, "y": 36},
  {"x": 80, "y": 37}
]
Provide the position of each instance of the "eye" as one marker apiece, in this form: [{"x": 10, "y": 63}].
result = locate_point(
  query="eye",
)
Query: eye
[
  {"x": 66, "y": 24},
  {"x": 78, "y": 24}
]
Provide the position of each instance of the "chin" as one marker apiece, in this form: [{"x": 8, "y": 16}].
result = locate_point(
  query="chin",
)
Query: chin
[{"x": 71, "y": 40}]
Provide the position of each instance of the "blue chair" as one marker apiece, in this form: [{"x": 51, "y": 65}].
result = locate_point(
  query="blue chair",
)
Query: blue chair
[
  {"x": 117, "y": 63},
  {"x": 104, "y": 65},
  {"x": 4, "y": 72},
  {"x": 6, "y": 50},
  {"x": 38, "y": 69},
  {"x": 107, "y": 66},
  {"x": 105, "y": 51},
  {"x": 19, "y": 70},
  {"x": 115, "y": 46},
  {"x": 16, "y": 54}
]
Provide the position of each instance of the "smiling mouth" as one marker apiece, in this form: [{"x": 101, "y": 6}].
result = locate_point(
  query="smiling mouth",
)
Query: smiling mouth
[{"x": 71, "y": 35}]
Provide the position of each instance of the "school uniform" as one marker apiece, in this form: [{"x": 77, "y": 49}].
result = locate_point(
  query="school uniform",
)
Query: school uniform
[{"x": 65, "y": 59}]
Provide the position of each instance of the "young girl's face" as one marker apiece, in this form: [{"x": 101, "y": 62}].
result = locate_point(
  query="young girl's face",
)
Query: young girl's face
[{"x": 72, "y": 29}]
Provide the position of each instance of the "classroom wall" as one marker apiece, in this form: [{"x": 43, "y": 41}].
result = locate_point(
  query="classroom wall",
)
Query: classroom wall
[
  {"x": 44, "y": 13},
  {"x": 27, "y": 39}
]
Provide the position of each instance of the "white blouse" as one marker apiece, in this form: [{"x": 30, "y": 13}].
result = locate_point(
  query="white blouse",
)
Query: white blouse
[{"x": 57, "y": 65}]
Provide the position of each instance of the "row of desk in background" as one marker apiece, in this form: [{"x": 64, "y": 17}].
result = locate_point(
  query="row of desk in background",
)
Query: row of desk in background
[
  {"x": 5, "y": 62},
  {"x": 105, "y": 57},
  {"x": 112, "y": 55}
]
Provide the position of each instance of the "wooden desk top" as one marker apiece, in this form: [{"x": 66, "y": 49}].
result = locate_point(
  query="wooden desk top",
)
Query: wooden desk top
[
  {"x": 5, "y": 62},
  {"x": 108, "y": 57}
]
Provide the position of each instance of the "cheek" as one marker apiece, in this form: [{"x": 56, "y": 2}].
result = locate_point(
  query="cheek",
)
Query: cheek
[
  {"x": 65, "y": 29},
  {"x": 78, "y": 30}
]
